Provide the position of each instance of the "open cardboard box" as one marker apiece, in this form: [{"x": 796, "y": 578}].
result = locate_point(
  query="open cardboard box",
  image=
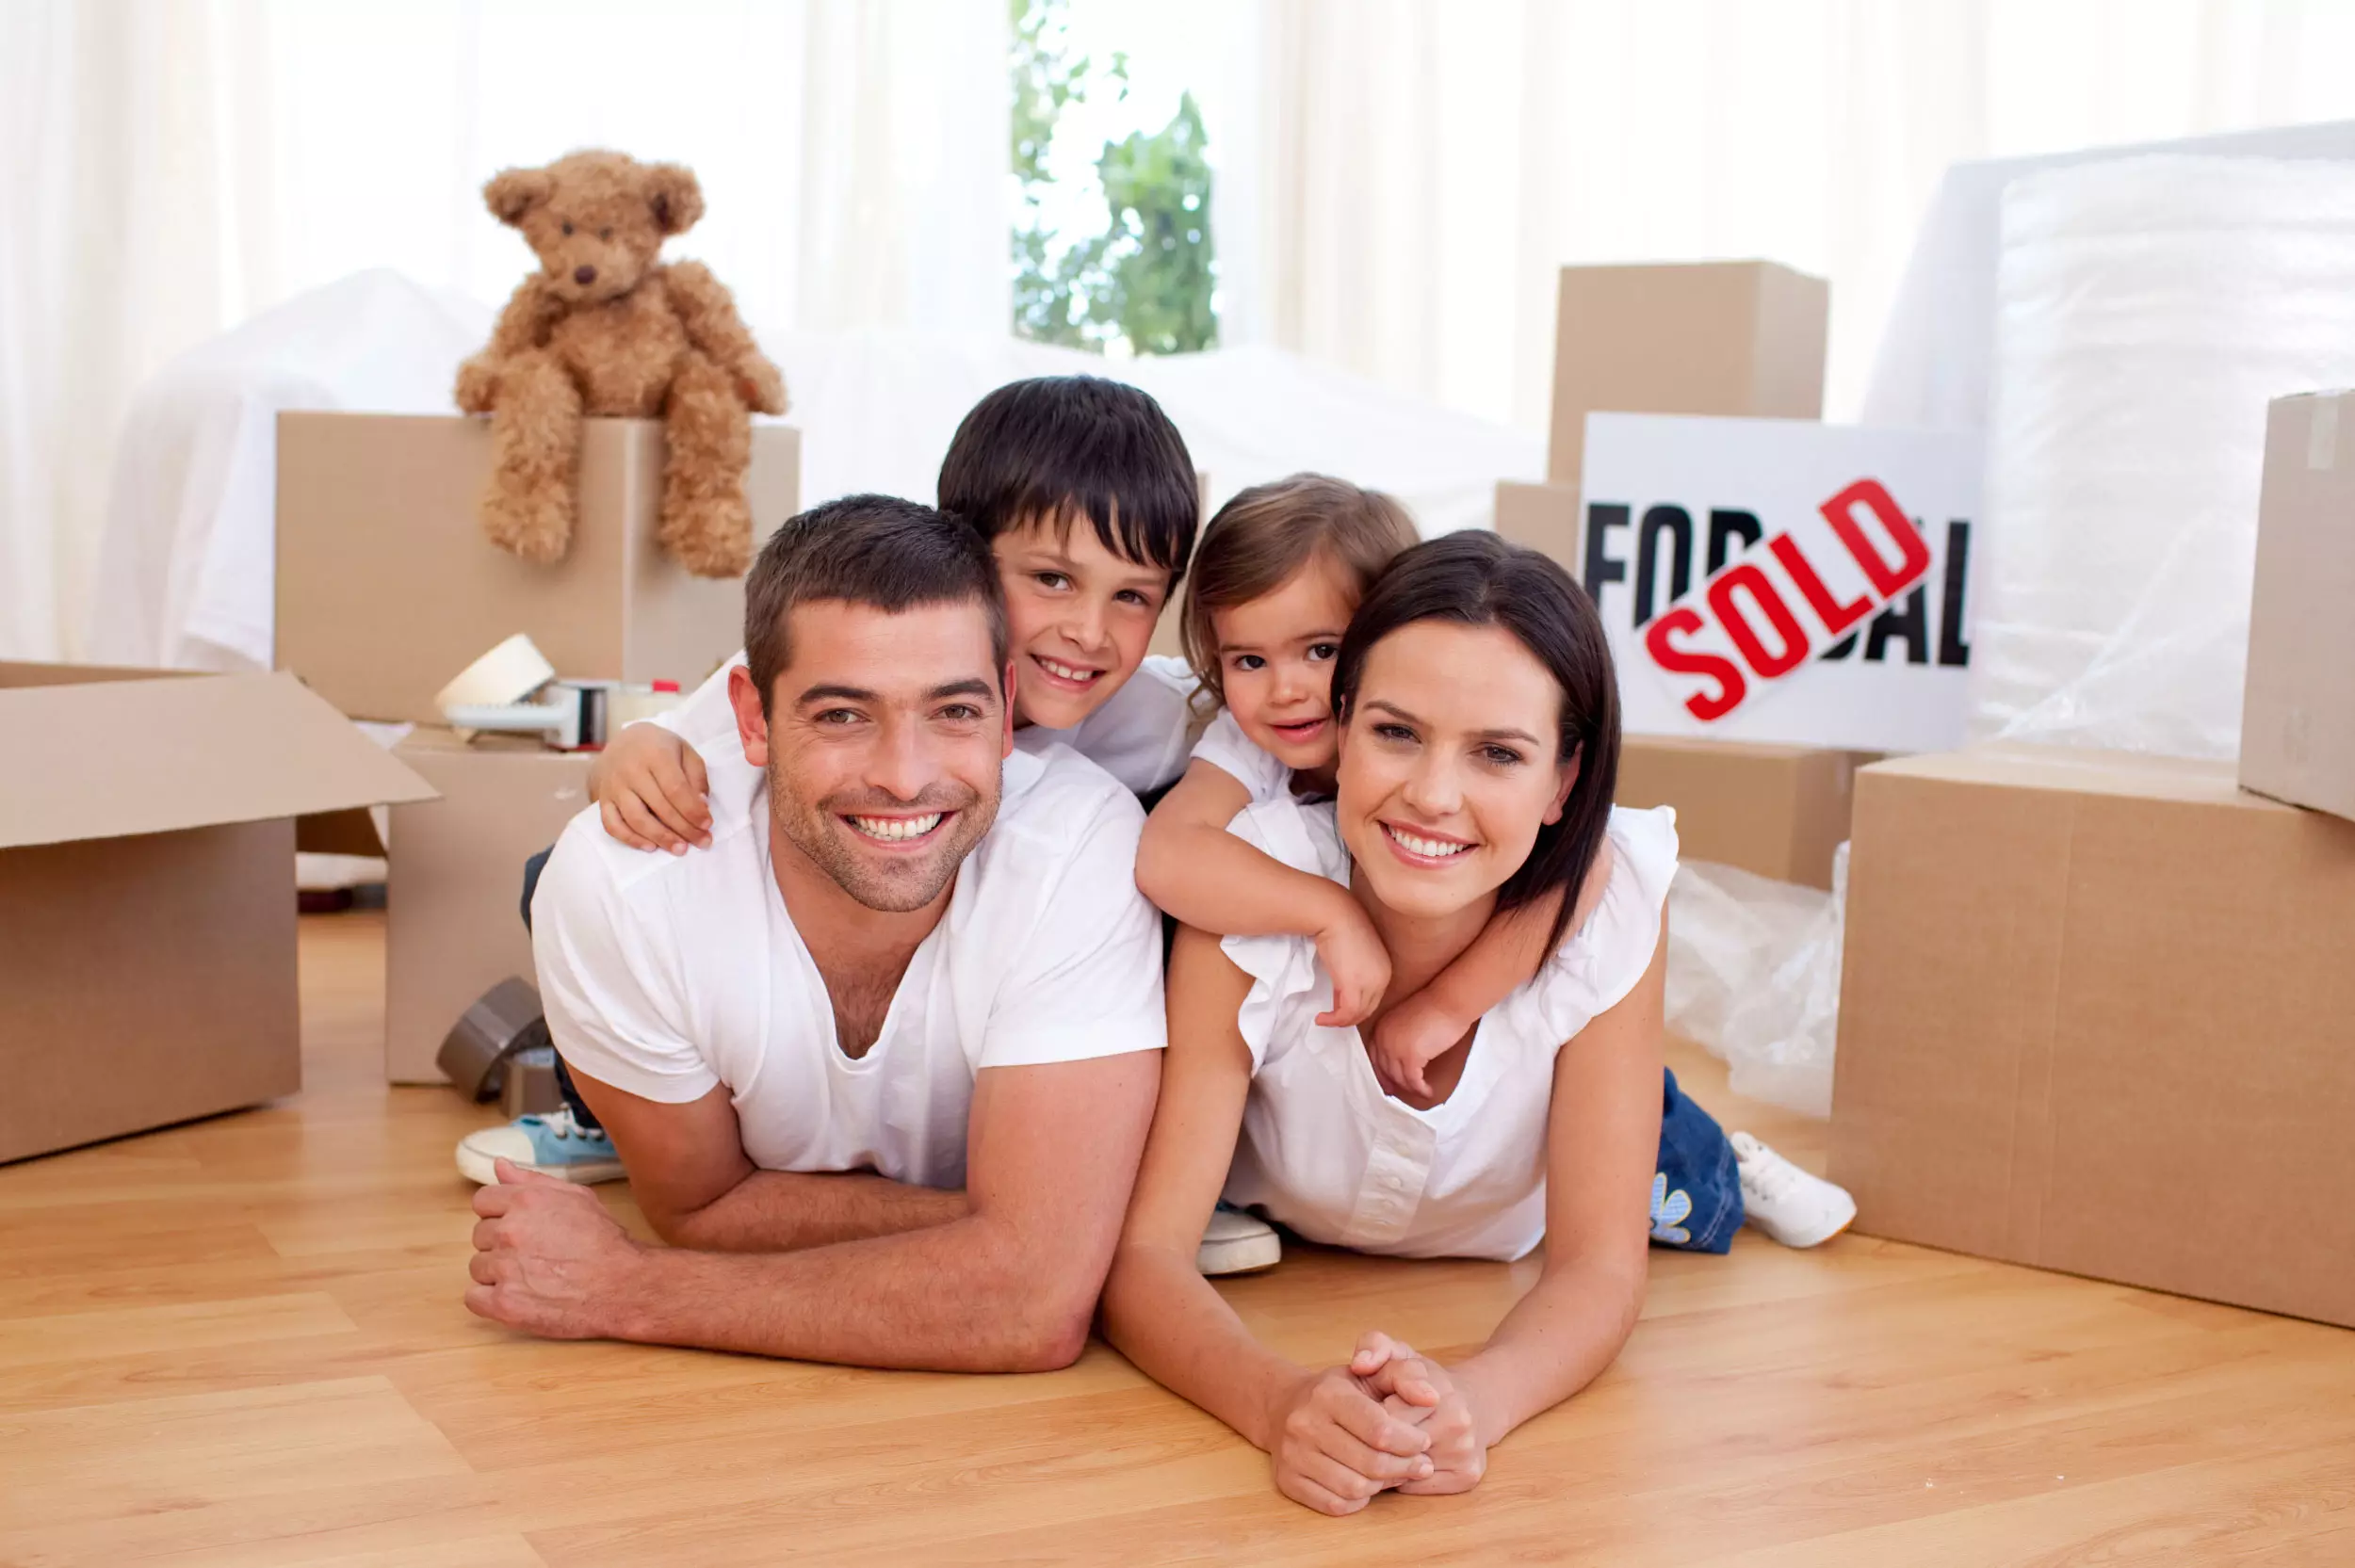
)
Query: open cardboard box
[{"x": 147, "y": 891}]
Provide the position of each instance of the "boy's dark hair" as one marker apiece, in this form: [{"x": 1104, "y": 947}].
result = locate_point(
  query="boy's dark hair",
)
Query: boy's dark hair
[
  {"x": 1474, "y": 579},
  {"x": 873, "y": 550},
  {"x": 1068, "y": 446}
]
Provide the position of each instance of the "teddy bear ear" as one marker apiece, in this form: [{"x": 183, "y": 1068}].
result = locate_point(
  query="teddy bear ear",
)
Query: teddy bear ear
[
  {"x": 677, "y": 199},
  {"x": 513, "y": 192}
]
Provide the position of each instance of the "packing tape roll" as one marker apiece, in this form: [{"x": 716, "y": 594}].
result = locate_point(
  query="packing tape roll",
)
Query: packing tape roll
[{"x": 508, "y": 673}]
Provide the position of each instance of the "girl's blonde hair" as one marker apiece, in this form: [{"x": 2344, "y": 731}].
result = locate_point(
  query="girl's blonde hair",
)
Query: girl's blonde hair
[{"x": 1267, "y": 533}]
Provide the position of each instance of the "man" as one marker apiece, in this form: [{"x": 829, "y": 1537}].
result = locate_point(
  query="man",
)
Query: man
[{"x": 879, "y": 1062}]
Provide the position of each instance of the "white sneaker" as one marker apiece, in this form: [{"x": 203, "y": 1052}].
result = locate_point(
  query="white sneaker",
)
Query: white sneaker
[
  {"x": 1789, "y": 1205},
  {"x": 1237, "y": 1243},
  {"x": 553, "y": 1146}
]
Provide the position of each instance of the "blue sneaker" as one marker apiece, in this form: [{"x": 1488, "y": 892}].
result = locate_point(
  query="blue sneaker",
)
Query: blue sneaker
[{"x": 553, "y": 1146}]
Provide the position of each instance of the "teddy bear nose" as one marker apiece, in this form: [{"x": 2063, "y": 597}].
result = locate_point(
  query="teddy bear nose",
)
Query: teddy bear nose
[{"x": 584, "y": 274}]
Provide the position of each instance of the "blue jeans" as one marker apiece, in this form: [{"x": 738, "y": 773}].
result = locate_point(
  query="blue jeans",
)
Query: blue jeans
[
  {"x": 580, "y": 1107},
  {"x": 1696, "y": 1191}
]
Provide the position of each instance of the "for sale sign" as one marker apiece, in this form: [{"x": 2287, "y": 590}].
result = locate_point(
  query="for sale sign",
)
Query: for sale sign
[{"x": 1777, "y": 580}]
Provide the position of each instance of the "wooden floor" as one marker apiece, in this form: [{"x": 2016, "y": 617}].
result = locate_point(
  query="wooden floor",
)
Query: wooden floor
[{"x": 241, "y": 1342}]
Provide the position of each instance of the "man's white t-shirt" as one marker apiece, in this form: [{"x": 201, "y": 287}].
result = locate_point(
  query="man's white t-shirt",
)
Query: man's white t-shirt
[
  {"x": 668, "y": 976},
  {"x": 1139, "y": 734},
  {"x": 1326, "y": 1152}
]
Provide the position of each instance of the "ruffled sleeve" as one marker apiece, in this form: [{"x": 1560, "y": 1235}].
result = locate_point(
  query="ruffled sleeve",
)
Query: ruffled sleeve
[
  {"x": 1288, "y": 985},
  {"x": 1600, "y": 963}
]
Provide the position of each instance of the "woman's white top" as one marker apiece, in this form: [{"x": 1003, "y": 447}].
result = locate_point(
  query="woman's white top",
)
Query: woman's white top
[
  {"x": 1325, "y": 1151},
  {"x": 1226, "y": 747},
  {"x": 1138, "y": 734}
]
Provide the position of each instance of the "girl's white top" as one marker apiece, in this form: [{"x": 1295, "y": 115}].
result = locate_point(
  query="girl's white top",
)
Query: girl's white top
[
  {"x": 1138, "y": 734},
  {"x": 1326, "y": 1152},
  {"x": 1225, "y": 746}
]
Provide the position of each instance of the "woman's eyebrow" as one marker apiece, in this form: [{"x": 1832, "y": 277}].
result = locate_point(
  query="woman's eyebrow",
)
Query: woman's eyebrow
[
  {"x": 1392, "y": 710},
  {"x": 1523, "y": 735}
]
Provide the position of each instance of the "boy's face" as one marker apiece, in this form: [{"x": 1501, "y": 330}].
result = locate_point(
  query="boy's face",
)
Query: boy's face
[{"x": 1080, "y": 619}]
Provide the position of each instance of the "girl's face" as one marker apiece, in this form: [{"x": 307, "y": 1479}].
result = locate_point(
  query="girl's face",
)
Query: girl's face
[
  {"x": 1077, "y": 617},
  {"x": 1276, "y": 661},
  {"x": 1449, "y": 765}
]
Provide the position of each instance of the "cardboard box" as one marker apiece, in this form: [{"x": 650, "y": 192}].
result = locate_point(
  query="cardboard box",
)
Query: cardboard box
[
  {"x": 2098, "y": 1016},
  {"x": 1543, "y": 516},
  {"x": 453, "y": 917},
  {"x": 147, "y": 897},
  {"x": 387, "y": 587},
  {"x": 2298, "y": 715},
  {"x": 1701, "y": 338},
  {"x": 1777, "y": 811}
]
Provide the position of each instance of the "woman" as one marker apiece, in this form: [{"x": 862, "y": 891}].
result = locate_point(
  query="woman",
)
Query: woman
[{"x": 1478, "y": 748}]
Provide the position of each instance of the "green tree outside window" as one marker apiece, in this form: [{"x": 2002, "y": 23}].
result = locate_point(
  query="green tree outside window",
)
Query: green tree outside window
[{"x": 1144, "y": 282}]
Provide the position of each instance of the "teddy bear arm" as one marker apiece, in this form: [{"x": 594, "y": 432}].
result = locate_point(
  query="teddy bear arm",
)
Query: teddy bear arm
[
  {"x": 707, "y": 312},
  {"x": 521, "y": 327}
]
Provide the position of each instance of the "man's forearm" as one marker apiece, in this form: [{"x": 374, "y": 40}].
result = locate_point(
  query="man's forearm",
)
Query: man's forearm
[
  {"x": 785, "y": 1211},
  {"x": 967, "y": 1296}
]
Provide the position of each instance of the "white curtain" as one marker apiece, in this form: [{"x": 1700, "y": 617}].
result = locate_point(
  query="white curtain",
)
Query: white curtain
[
  {"x": 1397, "y": 179},
  {"x": 171, "y": 166},
  {"x": 1410, "y": 174}
]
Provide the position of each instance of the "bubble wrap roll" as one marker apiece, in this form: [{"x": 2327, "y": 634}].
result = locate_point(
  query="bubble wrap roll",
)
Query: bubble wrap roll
[{"x": 2148, "y": 310}]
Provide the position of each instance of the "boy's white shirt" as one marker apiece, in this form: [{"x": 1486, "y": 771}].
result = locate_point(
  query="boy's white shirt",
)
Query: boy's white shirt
[
  {"x": 1139, "y": 734},
  {"x": 1326, "y": 1152},
  {"x": 667, "y": 975}
]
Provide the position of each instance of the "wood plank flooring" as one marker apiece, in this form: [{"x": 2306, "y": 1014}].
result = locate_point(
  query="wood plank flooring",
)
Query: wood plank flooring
[{"x": 240, "y": 1342}]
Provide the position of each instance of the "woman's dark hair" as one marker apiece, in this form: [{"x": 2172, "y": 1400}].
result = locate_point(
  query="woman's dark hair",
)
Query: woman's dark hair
[
  {"x": 1066, "y": 447},
  {"x": 874, "y": 550},
  {"x": 1474, "y": 579}
]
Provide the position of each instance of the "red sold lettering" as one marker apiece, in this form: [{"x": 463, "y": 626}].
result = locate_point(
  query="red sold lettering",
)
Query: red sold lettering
[
  {"x": 1760, "y": 588},
  {"x": 1837, "y": 617},
  {"x": 1913, "y": 551},
  {"x": 1731, "y": 687}
]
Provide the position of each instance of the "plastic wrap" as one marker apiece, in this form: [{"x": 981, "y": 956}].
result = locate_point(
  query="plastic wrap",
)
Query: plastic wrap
[
  {"x": 1754, "y": 977},
  {"x": 2148, "y": 310}
]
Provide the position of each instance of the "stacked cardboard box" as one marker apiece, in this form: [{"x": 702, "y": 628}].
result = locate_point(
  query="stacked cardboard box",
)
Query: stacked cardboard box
[
  {"x": 2297, "y": 713},
  {"x": 1744, "y": 338},
  {"x": 2097, "y": 1015},
  {"x": 387, "y": 588},
  {"x": 454, "y": 906},
  {"x": 1776, "y": 811},
  {"x": 147, "y": 915}
]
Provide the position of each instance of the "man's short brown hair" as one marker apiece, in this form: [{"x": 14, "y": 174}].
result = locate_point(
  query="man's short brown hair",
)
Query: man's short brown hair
[{"x": 874, "y": 550}]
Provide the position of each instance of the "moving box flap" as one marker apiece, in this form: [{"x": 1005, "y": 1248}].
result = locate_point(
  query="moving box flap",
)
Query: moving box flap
[
  {"x": 115, "y": 752},
  {"x": 2072, "y": 770}
]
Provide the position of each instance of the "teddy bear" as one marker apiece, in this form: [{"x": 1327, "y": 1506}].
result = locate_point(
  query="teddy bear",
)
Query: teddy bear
[{"x": 604, "y": 329}]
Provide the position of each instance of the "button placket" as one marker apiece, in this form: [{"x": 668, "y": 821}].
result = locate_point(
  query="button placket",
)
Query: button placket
[{"x": 1398, "y": 1166}]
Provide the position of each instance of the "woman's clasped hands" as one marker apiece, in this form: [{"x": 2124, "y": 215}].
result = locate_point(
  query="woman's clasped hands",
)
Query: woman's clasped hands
[{"x": 1390, "y": 1419}]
